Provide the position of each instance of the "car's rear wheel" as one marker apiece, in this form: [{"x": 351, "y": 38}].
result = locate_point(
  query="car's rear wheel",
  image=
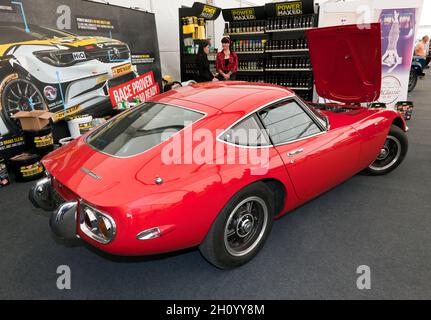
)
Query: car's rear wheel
[
  {"x": 392, "y": 153},
  {"x": 413, "y": 80},
  {"x": 241, "y": 228},
  {"x": 18, "y": 94}
]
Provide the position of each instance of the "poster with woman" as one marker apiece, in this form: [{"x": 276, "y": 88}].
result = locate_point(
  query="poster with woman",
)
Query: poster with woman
[{"x": 398, "y": 34}]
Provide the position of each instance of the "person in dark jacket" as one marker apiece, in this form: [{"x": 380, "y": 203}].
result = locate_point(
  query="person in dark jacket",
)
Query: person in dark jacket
[{"x": 203, "y": 64}]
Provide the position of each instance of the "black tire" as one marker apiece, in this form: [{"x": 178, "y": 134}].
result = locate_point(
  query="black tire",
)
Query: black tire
[
  {"x": 393, "y": 153},
  {"x": 218, "y": 246},
  {"x": 26, "y": 88},
  {"x": 413, "y": 80}
]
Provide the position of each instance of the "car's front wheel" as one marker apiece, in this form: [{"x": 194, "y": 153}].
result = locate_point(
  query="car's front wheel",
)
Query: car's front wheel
[
  {"x": 392, "y": 153},
  {"x": 241, "y": 228},
  {"x": 18, "y": 94}
]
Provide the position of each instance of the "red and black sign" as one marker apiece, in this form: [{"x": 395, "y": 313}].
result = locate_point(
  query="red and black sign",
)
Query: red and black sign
[{"x": 142, "y": 88}]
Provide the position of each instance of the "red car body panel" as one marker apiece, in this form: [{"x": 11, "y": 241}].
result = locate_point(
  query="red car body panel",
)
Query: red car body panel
[
  {"x": 191, "y": 196},
  {"x": 345, "y": 60}
]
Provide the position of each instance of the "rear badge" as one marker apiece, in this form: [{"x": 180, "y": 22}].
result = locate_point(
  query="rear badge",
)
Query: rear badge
[{"x": 91, "y": 174}]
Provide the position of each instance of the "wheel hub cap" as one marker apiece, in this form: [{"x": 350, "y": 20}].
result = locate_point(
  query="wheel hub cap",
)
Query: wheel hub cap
[
  {"x": 245, "y": 225},
  {"x": 383, "y": 153}
]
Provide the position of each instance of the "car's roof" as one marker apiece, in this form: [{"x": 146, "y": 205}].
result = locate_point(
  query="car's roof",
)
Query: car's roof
[{"x": 231, "y": 96}]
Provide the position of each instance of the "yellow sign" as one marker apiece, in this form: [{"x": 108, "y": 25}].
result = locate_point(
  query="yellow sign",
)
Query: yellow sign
[
  {"x": 243, "y": 14},
  {"x": 31, "y": 170},
  {"x": 208, "y": 12},
  {"x": 289, "y": 8},
  {"x": 44, "y": 141},
  {"x": 122, "y": 70},
  {"x": 69, "y": 111}
]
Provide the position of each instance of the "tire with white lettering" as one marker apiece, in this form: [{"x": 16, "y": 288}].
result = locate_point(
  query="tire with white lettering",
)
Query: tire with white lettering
[
  {"x": 241, "y": 228},
  {"x": 18, "y": 94}
]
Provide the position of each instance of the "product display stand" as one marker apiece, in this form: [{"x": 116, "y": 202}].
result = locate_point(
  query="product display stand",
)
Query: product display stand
[
  {"x": 271, "y": 44},
  {"x": 189, "y": 41}
]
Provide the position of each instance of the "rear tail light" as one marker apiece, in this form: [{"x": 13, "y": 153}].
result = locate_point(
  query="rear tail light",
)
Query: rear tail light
[{"x": 96, "y": 224}]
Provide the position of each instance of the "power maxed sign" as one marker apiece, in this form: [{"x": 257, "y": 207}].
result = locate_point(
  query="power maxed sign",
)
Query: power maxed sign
[
  {"x": 243, "y": 14},
  {"x": 142, "y": 88},
  {"x": 289, "y": 8}
]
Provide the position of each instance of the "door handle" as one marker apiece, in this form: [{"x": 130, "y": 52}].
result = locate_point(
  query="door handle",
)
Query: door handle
[{"x": 295, "y": 152}]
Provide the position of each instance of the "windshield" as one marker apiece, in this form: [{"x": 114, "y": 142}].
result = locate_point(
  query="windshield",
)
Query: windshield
[
  {"x": 17, "y": 33},
  {"x": 141, "y": 128}
]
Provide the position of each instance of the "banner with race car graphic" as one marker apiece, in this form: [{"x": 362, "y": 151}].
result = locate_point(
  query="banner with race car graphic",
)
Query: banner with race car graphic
[{"x": 64, "y": 56}]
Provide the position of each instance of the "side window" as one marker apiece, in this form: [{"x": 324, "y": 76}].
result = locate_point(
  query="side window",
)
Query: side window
[
  {"x": 287, "y": 122},
  {"x": 247, "y": 133}
]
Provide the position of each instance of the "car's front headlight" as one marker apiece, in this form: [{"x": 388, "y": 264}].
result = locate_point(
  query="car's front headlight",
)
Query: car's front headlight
[
  {"x": 95, "y": 224},
  {"x": 57, "y": 58}
]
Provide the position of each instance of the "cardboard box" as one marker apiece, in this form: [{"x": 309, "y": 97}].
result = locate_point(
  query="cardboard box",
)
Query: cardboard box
[{"x": 33, "y": 120}]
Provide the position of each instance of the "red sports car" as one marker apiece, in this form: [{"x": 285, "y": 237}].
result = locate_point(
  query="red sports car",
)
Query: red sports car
[{"x": 212, "y": 165}]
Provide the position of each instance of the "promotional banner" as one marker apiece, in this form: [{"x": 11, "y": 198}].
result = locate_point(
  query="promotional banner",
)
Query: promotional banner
[
  {"x": 142, "y": 88},
  {"x": 398, "y": 32},
  {"x": 399, "y": 22},
  {"x": 64, "y": 56}
]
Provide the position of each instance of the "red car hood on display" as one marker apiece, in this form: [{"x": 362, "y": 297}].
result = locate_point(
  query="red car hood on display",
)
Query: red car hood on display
[{"x": 347, "y": 62}]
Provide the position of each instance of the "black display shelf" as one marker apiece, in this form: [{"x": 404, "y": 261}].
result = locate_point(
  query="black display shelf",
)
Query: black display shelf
[
  {"x": 246, "y": 33},
  {"x": 289, "y": 70},
  {"x": 281, "y": 27},
  {"x": 287, "y": 51},
  {"x": 288, "y": 30},
  {"x": 188, "y": 59},
  {"x": 251, "y": 71},
  {"x": 250, "y": 52}
]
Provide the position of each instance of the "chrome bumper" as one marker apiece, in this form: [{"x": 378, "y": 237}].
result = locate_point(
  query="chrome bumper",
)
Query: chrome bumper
[{"x": 63, "y": 221}]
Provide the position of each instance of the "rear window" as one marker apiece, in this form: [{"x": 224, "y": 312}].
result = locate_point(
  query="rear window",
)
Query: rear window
[{"x": 141, "y": 128}]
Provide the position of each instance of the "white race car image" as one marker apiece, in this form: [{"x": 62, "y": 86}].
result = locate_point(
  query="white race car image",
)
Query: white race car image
[{"x": 49, "y": 69}]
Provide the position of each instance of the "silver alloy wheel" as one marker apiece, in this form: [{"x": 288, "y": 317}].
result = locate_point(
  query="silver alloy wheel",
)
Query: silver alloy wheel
[
  {"x": 246, "y": 226},
  {"x": 389, "y": 155},
  {"x": 22, "y": 95}
]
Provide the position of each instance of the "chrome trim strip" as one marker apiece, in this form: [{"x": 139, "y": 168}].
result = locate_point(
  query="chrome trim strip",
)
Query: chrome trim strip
[
  {"x": 88, "y": 232},
  {"x": 297, "y": 140},
  {"x": 292, "y": 97},
  {"x": 91, "y": 174},
  {"x": 245, "y": 117}
]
